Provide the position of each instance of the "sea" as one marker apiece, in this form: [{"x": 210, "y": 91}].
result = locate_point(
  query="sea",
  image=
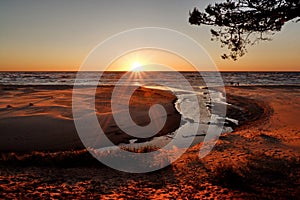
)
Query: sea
[{"x": 110, "y": 78}]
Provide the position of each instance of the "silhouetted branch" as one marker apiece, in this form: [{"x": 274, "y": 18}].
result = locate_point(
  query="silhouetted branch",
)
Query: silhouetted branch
[{"x": 241, "y": 23}]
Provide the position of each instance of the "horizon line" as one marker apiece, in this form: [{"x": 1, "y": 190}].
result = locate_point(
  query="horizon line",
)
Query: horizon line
[{"x": 116, "y": 71}]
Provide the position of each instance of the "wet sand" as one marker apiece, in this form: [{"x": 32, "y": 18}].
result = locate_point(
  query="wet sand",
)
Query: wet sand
[
  {"x": 259, "y": 160},
  {"x": 39, "y": 118}
]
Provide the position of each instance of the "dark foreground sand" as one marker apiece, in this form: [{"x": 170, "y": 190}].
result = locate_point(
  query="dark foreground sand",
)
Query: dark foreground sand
[{"x": 260, "y": 160}]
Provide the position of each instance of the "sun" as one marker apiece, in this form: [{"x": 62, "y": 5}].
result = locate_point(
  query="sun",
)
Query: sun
[{"x": 136, "y": 67}]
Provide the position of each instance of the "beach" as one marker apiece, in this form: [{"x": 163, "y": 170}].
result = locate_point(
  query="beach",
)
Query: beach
[
  {"x": 141, "y": 100},
  {"x": 259, "y": 159}
]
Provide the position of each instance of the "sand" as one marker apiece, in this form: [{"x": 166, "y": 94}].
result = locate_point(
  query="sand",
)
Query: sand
[
  {"x": 40, "y": 118},
  {"x": 259, "y": 160}
]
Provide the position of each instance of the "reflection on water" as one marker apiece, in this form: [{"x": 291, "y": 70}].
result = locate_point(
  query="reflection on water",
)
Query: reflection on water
[{"x": 110, "y": 78}]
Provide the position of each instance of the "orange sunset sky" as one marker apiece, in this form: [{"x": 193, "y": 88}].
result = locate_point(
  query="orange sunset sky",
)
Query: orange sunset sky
[{"x": 57, "y": 35}]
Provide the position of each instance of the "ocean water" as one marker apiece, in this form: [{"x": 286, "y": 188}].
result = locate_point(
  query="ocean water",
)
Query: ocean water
[{"x": 110, "y": 78}]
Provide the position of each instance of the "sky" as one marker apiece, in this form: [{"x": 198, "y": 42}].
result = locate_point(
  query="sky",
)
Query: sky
[{"x": 57, "y": 35}]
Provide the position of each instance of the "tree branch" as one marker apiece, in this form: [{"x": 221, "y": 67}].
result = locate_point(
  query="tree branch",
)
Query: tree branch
[{"x": 241, "y": 23}]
